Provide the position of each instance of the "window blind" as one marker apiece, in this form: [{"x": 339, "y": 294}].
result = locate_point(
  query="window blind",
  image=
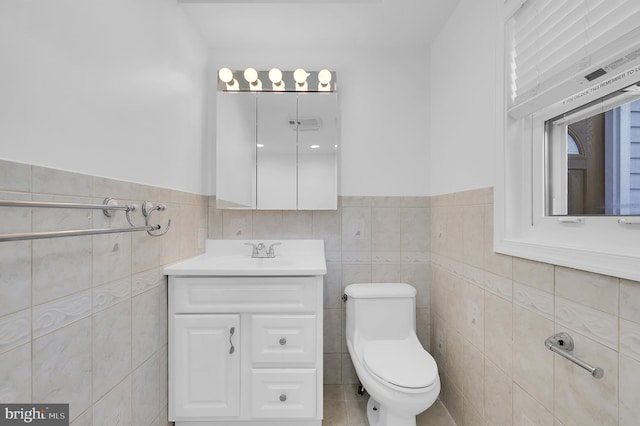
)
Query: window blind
[{"x": 553, "y": 44}]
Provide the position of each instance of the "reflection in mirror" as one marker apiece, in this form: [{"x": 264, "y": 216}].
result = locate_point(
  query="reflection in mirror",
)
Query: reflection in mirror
[
  {"x": 593, "y": 157},
  {"x": 317, "y": 151},
  {"x": 276, "y": 163}
]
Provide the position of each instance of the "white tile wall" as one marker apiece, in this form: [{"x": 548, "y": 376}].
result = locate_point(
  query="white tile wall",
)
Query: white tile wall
[
  {"x": 629, "y": 389},
  {"x": 523, "y": 303},
  {"x": 15, "y": 329},
  {"x": 61, "y": 364},
  {"x": 99, "y": 321},
  {"x": 15, "y": 374},
  {"x": 83, "y": 319}
]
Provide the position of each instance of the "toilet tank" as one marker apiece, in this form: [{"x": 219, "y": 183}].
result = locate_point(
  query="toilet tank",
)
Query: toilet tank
[{"x": 380, "y": 311}]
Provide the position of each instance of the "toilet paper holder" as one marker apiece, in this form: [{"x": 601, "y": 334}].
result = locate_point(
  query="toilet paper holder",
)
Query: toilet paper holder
[{"x": 562, "y": 344}]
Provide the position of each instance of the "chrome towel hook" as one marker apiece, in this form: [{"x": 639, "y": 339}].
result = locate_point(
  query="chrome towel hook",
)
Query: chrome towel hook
[
  {"x": 147, "y": 209},
  {"x": 110, "y": 203}
]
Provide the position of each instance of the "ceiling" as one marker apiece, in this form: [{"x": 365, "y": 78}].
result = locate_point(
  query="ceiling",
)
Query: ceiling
[{"x": 240, "y": 24}]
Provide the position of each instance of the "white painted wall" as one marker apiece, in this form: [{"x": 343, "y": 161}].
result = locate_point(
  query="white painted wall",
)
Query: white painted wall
[
  {"x": 384, "y": 109},
  {"x": 118, "y": 89},
  {"x": 463, "y": 98},
  {"x": 109, "y": 88}
]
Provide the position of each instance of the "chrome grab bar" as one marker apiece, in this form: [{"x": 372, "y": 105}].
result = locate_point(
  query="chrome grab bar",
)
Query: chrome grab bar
[{"x": 562, "y": 344}]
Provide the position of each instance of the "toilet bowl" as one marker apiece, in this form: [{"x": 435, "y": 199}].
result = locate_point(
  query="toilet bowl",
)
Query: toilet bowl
[{"x": 399, "y": 375}]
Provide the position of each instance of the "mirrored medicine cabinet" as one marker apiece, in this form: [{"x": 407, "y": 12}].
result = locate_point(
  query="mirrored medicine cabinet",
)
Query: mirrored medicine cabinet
[{"x": 277, "y": 150}]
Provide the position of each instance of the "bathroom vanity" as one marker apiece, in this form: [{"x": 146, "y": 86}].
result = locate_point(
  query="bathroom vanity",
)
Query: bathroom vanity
[{"x": 245, "y": 335}]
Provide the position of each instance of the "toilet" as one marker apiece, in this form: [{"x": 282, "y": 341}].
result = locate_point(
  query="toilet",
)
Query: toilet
[{"x": 399, "y": 375}]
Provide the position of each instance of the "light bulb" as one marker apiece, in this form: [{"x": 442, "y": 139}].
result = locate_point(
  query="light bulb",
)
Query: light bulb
[
  {"x": 226, "y": 75},
  {"x": 275, "y": 75},
  {"x": 251, "y": 75},
  {"x": 324, "y": 77},
  {"x": 300, "y": 76}
]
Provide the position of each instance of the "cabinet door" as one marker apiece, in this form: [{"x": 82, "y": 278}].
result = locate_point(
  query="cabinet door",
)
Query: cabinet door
[
  {"x": 317, "y": 151},
  {"x": 277, "y": 150},
  {"x": 206, "y": 358},
  {"x": 236, "y": 151}
]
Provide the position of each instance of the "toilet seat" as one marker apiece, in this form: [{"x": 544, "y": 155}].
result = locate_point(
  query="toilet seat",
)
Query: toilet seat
[{"x": 403, "y": 363}]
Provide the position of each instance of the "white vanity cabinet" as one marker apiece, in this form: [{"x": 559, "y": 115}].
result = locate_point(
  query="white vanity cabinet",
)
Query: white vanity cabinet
[
  {"x": 204, "y": 352},
  {"x": 245, "y": 350}
]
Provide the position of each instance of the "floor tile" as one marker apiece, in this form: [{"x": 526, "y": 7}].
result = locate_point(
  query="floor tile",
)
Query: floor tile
[{"x": 344, "y": 407}]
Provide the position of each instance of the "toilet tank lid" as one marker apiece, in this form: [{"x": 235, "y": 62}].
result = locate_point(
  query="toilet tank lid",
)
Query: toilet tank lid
[{"x": 379, "y": 290}]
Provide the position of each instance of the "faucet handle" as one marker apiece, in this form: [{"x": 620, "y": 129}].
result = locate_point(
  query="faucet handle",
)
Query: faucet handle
[
  {"x": 272, "y": 252},
  {"x": 254, "y": 252}
]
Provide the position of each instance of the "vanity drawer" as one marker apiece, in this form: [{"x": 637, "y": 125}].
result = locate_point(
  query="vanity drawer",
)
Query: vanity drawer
[
  {"x": 283, "y": 393},
  {"x": 240, "y": 294},
  {"x": 282, "y": 339}
]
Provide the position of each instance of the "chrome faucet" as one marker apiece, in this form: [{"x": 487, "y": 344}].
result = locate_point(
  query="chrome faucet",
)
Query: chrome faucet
[
  {"x": 271, "y": 252},
  {"x": 261, "y": 251}
]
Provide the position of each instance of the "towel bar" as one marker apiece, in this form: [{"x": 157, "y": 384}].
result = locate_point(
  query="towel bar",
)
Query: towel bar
[{"x": 107, "y": 206}]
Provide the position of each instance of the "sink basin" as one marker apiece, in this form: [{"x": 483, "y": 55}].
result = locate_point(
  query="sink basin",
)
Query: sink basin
[{"x": 233, "y": 258}]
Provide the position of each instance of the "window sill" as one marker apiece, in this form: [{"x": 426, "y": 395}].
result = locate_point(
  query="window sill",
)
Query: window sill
[{"x": 588, "y": 259}]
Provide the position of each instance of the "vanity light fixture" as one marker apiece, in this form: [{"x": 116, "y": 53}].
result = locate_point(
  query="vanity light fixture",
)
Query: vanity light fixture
[
  {"x": 277, "y": 84},
  {"x": 324, "y": 78},
  {"x": 226, "y": 76},
  {"x": 300, "y": 76},
  {"x": 276, "y": 80},
  {"x": 251, "y": 75}
]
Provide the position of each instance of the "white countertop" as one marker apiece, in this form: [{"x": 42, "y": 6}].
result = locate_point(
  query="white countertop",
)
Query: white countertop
[{"x": 233, "y": 258}]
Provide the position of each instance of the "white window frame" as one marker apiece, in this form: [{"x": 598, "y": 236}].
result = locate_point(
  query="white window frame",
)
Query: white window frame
[{"x": 601, "y": 244}]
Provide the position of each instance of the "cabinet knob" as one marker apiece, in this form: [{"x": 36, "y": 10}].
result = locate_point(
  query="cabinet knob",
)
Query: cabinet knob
[
  {"x": 283, "y": 341},
  {"x": 283, "y": 397}
]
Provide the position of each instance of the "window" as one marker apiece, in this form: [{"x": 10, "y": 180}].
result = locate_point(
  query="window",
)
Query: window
[
  {"x": 600, "y": 174},
  {"x": 571, "y": 71},
  {"x": 573, "y": 149}
]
